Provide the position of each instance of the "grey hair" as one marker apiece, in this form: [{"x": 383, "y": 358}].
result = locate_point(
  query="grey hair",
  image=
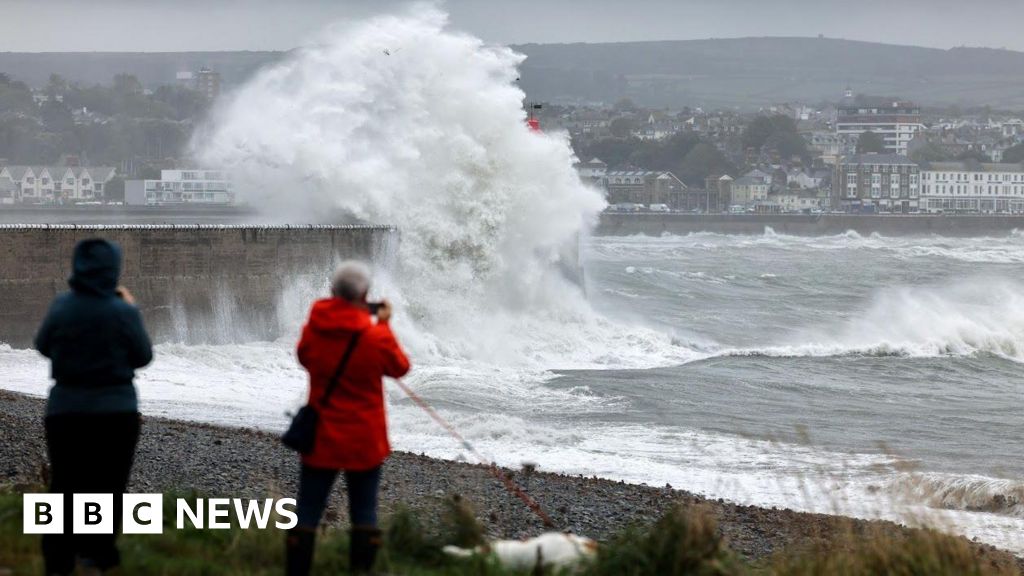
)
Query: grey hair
[{"x": 351, "y": 281}]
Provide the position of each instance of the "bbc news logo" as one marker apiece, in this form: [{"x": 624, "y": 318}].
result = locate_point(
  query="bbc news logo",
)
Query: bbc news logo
[{"x": 144, "y": 513}]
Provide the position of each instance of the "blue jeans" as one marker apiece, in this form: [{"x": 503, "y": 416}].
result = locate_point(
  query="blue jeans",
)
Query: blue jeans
[{"x": 315, "y": 487}]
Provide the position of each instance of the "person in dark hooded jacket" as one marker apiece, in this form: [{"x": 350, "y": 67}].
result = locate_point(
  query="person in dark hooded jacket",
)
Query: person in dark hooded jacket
[{"x": 95, "y": 340}]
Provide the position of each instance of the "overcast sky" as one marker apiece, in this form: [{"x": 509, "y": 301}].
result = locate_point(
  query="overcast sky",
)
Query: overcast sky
[{"x": 177, "y": 25}]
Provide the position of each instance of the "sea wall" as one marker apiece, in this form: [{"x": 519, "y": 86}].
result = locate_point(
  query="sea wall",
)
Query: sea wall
[
  {"x": 193, "y": 283},
  {"x": 654, "y": 224}
]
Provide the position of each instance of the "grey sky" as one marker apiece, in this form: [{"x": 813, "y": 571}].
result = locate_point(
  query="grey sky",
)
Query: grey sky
[{"x": 176, "y": 25}]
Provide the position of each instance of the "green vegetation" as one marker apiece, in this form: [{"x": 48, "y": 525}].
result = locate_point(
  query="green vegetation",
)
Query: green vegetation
[
  {"x": 686, "y": 541},
  {"x": 869, "y": 142},
  {"x": 1014, "y": 154},
  {"x": 685, "y": 155},
  {"x": 776, "y": 136},
  {"x": 105, "y": 124}
]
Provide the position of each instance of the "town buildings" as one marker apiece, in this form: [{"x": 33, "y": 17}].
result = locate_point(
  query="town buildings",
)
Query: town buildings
[
  {"x": 751, "y": 188},
  {"x": 877, "y": 183},
  {"x": 593, "y": 172},
  {"x": 644, "y": 187},
  {"x": 208, "y": 83},
  {"x": 894, "y": 121},
  {"x": 181, "y": 187},
  {"x": 972, "y": 187},
  {"x": 633, "y": 186},
  {"x": 53, "y": 184}
]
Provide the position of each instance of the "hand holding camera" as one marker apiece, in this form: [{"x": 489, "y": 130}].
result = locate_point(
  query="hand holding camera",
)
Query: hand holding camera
[{"x": 382, "y": 310}]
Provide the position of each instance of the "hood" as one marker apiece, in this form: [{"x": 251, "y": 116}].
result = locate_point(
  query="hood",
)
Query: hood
[
  {"x": 337, "y": 315},
  {"x": 95, "y": 267}
]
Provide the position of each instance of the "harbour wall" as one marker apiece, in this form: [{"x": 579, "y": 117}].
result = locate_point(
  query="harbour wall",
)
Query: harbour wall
[
  {"x": 195, "y": 284},
  {"x": 655, "y": 224}
]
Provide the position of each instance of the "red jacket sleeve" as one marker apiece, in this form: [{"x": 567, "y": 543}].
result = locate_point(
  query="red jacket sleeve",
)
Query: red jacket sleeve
[{"x": 396, "y": 364}]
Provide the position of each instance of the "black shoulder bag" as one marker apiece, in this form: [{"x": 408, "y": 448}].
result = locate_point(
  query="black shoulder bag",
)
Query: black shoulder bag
[{"x": 301, "y": 435}]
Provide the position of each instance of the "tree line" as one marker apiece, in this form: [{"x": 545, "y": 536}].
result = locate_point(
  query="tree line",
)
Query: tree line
[{"x": 103, "y": 124}]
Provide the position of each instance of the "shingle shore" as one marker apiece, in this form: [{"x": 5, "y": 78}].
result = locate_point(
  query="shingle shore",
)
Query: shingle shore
[{"x": 176, "y": 456}]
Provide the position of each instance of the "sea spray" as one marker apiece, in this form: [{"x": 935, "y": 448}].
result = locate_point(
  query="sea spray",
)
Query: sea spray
[
  {"x": 966, "y": 318},
  {"x": 400, "y": 120}
]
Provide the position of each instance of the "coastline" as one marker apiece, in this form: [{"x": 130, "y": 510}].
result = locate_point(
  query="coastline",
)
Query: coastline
[
  {"x": 218, "y": 461},
  {"x": 888, "y": 225}
]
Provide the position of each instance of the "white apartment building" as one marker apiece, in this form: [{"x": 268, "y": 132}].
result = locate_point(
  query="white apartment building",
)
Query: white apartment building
[
  {"x": 182, "y": 187},
  {"x": 895, "y": 122},
  {"x": 55, "y": 184},
  {"x": 972, "y": 187}
]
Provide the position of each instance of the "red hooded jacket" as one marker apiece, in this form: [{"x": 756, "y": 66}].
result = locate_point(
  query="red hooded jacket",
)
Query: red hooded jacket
[{"x": 352, "y": 432}]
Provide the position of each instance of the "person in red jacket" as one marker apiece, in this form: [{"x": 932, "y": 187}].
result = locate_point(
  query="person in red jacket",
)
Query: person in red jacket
[{"x": 352, "y": 434}]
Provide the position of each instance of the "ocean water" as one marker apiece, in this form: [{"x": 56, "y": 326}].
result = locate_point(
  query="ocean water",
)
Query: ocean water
[{"x": 870, "y": 376}]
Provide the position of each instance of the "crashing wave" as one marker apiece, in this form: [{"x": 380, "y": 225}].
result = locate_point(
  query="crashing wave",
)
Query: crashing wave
[{"x": 969, "y": 493}]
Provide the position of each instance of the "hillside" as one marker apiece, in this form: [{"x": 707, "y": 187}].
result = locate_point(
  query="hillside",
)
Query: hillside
[
  {"x": 745, "y": 72},
  {"x": 755, "y": 71},
  {"x": 151, "y": 68}
]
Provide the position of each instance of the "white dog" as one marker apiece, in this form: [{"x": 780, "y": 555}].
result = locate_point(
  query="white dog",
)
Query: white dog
[{"x": 549, "y": 550}]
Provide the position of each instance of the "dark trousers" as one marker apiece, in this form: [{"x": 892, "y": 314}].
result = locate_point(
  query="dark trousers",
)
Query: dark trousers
[
  {"x": 89, "y": 454},
  {"x": 315, "y": 487}
]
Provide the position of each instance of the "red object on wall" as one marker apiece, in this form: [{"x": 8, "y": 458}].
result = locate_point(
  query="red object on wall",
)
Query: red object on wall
[{"x": 534, "y": 124}]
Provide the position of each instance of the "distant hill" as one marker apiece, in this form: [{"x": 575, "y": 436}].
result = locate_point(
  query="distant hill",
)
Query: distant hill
[
  {"x": 754, "y": 71},
  {"x": 744, "y": 72},
  {"x": 151, "y": 68}
]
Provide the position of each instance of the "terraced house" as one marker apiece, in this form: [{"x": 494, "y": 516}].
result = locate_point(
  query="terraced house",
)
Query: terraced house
[
  {"x": 53, "y": 184},
  {"x": 887, "y": 183}
]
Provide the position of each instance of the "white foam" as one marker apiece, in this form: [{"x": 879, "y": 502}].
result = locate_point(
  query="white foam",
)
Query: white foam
[
  {"x": 964, "y": 318},
  {"x": 398, "y": 119}
]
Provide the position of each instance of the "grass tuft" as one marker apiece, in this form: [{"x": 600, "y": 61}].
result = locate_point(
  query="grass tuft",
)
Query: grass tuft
[
  {"x": 684, "y": 541},
  {"x": 920, "y": 552}
]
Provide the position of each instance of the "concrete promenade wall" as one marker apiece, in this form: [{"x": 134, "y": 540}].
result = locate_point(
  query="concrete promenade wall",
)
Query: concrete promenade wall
[
  {"x": 193, "y": 283},
  {"x": 653, "y": 224}
]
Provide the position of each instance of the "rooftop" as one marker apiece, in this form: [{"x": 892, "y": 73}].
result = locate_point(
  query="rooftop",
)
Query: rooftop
[
  {"x": 879, "y": 159},
  {"x": 971, "y": 166}
]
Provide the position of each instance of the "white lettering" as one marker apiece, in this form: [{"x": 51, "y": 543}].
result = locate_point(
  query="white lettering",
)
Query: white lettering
[
  {"x": 219, "y": 508},
  {"x": 246, "y": 514},
  {"x": 196, "y": 517},
  {"x": 282, "y": 511}
]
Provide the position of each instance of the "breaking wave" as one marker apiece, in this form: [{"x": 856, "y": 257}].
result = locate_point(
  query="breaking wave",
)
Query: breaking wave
[
  {"x": 400, "y": 120},
  {"x": 965, "y": 319},
  {"x": 969, "y": 493}
]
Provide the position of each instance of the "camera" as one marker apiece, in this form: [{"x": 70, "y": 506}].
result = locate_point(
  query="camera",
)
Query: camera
[{"x": 374, "y": 307}]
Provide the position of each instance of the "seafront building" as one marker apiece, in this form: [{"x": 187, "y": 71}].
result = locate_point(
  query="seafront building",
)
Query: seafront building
[
  {"x": 972, "y": 187},
  {"x": 751, "y": 188},
  {"x": 877, "y": 183},
  {"x": 644, "y": 187},
  {"x": 181, "y": 187},
  {"x": 894, "y": 121},
  {"x": 53, "y": 184}
]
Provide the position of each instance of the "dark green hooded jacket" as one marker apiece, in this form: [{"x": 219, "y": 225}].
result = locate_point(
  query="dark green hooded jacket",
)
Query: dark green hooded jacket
[{"x": 94, "y": 339}]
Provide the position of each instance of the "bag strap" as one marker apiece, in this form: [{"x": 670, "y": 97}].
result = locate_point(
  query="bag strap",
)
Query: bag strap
[{"x": 336, "y": 379}]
